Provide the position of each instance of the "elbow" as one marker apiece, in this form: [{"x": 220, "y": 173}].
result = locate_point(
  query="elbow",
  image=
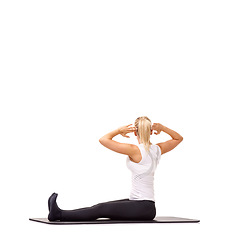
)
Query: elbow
[
  {"x": 100, "y": 140},
  {"x": 179, "y": 139}
]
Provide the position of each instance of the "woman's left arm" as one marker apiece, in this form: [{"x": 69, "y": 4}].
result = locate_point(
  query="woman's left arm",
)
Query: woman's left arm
[{"x": 123, "y": 148}]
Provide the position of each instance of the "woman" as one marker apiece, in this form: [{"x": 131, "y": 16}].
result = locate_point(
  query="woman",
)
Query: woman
[{"x": 142, "y": 160}]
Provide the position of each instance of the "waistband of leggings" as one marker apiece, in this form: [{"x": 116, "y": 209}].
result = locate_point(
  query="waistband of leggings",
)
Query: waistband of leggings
[{"x": 143, "y": 200}]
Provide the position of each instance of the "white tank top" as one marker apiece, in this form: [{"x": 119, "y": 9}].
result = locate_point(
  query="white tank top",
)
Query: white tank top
[{"x": 143, "y": 173}]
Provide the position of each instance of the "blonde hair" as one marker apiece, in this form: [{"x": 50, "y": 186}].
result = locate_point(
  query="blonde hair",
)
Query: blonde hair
[{"x": 143, "y": 130}]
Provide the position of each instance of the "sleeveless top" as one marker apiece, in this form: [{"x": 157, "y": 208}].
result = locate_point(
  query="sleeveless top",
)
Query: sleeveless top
[{"x": 143, "y": 173}]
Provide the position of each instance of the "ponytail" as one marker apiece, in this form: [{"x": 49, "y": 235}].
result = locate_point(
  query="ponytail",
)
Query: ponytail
[{"x": 143, "y": 127}]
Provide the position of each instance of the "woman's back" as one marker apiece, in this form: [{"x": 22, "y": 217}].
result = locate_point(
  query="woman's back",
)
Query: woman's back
[{"x": 143, "y": 173}]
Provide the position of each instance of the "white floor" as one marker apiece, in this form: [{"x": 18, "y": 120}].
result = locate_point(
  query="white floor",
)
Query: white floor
[{"x": 204, "y": 230}]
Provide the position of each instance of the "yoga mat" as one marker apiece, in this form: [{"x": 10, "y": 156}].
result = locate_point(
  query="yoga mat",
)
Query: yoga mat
[{"x": 109, "y": 221}]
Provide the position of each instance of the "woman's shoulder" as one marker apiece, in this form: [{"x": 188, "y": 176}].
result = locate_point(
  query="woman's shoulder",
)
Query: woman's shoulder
[{"x": 156, "y": 148}]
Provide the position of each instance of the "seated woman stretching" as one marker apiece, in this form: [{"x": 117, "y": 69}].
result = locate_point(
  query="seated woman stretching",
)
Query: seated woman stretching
[{"x": 142, "y": 160}]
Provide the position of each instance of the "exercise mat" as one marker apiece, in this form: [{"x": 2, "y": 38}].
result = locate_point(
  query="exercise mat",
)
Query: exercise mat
[{"x": 109, "y": 221}]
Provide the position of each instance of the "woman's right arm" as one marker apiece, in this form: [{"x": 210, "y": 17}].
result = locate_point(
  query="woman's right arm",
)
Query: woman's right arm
[{"x": 170, "y": 144}]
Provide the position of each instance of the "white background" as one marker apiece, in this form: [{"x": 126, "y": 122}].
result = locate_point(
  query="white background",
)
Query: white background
[{"x": 71, "y": 71}]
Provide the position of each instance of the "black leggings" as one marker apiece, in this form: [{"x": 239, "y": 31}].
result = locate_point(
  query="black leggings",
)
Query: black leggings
[{"x": 124, "y": 209}]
